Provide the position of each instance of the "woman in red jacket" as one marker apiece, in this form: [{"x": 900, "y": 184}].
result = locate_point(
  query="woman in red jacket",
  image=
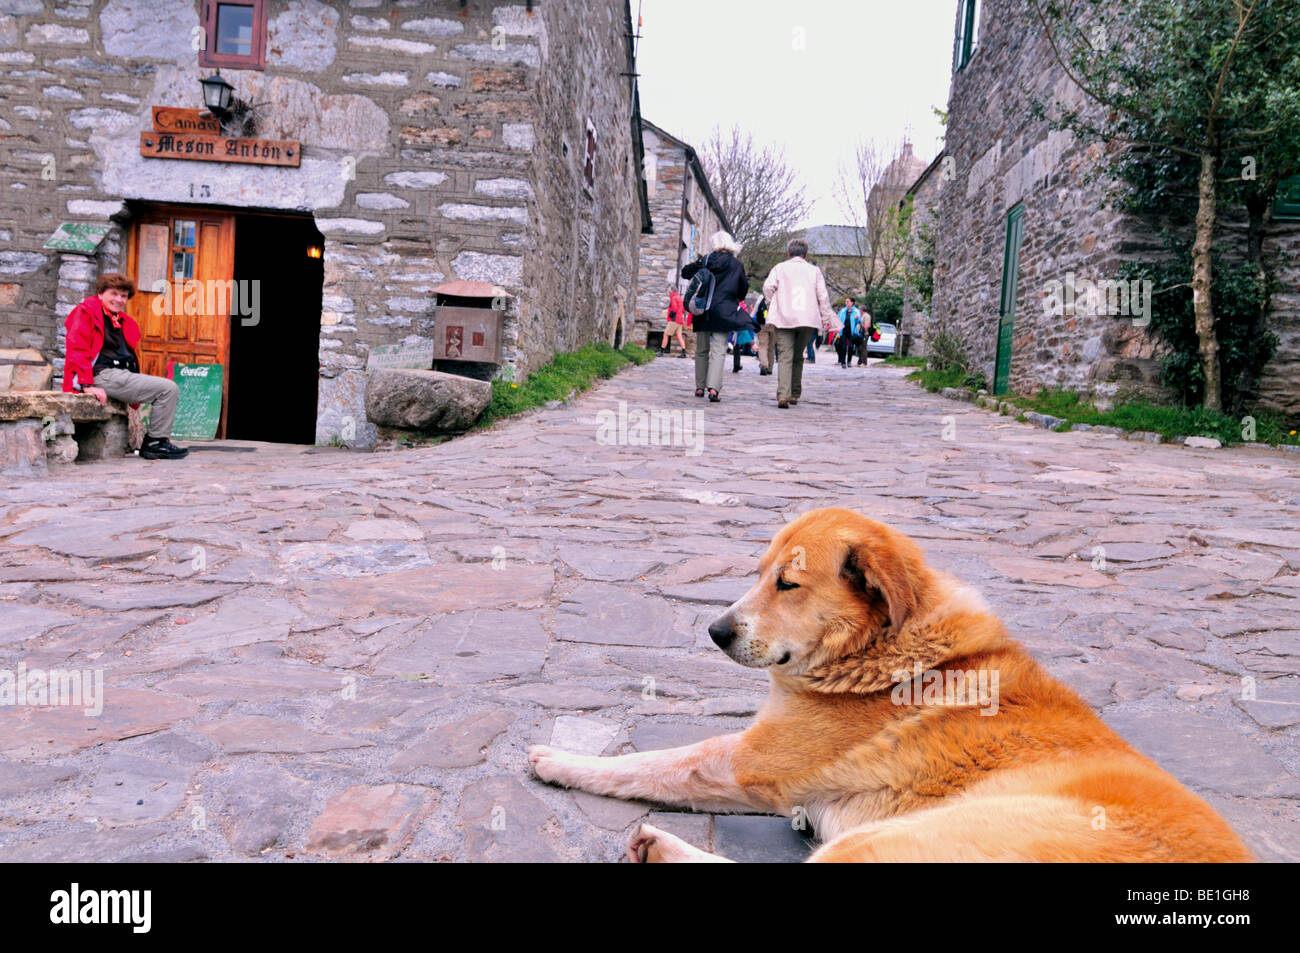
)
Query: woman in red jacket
[
  {"x": 102, "y": 361},
  {"x": 678, "y": 317}
]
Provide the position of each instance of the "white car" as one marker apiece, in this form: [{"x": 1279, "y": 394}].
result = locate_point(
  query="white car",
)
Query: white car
[{"x": 885, "y": 346}]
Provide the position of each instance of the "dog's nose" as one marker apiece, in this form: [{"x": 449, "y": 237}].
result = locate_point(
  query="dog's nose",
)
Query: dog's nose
[{"x": 722, "y": 633}]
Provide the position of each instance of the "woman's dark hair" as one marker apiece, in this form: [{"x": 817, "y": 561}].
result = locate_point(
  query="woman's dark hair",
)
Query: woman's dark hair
[
  {"x": 116, "y": 281},
  {"x": 798, "y": 248}
]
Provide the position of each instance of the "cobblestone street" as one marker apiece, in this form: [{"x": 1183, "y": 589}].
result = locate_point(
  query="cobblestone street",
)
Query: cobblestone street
[{"x": 314, "y": 653}]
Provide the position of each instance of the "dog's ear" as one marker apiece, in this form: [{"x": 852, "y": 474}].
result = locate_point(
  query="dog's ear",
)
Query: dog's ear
[{"x": 893, "y": 569}]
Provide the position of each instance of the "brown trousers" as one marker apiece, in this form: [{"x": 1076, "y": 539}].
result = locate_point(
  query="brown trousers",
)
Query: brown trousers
[{"x": 765, "y": 346}]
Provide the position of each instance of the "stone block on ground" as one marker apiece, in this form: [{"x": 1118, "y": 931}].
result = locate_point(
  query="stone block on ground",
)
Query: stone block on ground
[
  {"x": 459, "y": 744},
  {"x": 366, "y": 818},
  {"x": 695, "y": 829},
  {"x": 503, "y": 822},
  {"x": 259, "y": 804},
  {"x": 425, "y": 400},
  {"x": 136, "y": 789},
  {"x": 22, "y": 451},
  {"x": 1205, "y": 754},
  {"x": 753, "y": 839},
  {"x": 1045, "y": 421}
]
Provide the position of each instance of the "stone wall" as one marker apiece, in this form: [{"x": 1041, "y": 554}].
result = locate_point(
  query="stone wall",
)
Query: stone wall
[
  {"x": 927, "y": 201},
  {"x": 425, "y": 158},
  {"x": 661, "y": 250},
  {"x": 1001, "y": 157},
  {"x": 669, "y": 172},
  {"x": 580, "y": 273},
  {"x": 1280, "y": 383}
]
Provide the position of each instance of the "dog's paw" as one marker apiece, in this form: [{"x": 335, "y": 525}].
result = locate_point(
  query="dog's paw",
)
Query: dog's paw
[
  {"x": 548, "y": 765},
  {"x": 639, "y": 844},
  {"x": 650, "y": 845}
]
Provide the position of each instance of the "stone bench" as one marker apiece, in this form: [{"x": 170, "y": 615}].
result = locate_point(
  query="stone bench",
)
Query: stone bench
[{"x": 40, "y": 427}]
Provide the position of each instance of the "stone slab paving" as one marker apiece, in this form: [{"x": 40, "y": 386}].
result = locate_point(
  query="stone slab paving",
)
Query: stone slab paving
[{"x": 323, "y": 654}]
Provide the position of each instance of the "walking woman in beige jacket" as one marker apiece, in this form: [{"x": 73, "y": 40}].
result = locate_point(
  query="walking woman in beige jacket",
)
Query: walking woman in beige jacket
[{"x": 797, "y": 304}]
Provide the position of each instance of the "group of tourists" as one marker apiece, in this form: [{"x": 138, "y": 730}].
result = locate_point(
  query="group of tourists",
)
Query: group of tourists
[{"x": 784, "y": 329}]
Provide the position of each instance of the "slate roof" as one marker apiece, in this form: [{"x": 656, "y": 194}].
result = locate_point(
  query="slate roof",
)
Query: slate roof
[{"x": 834, "y": 240}]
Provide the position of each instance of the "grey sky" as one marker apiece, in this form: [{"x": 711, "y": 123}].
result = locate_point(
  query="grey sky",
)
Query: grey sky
[{"x": 868, "y": 68}]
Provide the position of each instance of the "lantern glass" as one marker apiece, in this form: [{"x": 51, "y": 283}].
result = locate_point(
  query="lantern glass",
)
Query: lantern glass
[{"x": 216, "y": 93}]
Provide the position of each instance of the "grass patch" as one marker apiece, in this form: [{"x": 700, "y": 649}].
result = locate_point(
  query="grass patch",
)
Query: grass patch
[
  {"x": 1168, "y": 421},
  {"x": 567, "y": 373},
  {"x": 905, "y": 361},
  {"x": 935, "y": 381}
]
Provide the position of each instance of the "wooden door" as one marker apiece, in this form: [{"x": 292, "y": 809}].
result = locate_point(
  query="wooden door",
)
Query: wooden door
[
  {"x": 182, "y": 261},
  {"x": 1007, "y": 309}
]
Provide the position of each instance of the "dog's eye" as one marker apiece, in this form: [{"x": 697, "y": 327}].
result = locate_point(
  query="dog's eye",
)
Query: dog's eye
[{"x": 783, "y": 585}]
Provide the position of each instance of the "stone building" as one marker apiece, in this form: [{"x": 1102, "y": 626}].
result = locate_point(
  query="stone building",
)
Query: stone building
[
  {"x": 838, "y": 251},
  {"x": 843, "y": 252},
  {"x": 390, "y": 148},
  {"x": 1020, "y": 219},
  {"x": 685, "y": 215},
  {"x": 926, "y": 196}
]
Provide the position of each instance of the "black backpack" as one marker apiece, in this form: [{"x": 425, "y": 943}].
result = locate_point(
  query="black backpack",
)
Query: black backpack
[{"x": 699, "y": 293}]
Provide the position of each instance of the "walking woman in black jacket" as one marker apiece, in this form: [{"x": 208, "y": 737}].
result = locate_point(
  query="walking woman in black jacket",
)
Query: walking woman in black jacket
[{"x": 723, "y": 316}]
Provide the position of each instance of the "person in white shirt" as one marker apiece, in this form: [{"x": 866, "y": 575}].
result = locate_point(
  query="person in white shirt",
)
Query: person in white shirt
[{"x": 797, "y": 306}]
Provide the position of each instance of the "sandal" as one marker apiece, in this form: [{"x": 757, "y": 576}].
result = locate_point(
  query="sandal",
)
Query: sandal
[
  {"x": 713, "y": 395},
  {"x": 699, "y": 392}
]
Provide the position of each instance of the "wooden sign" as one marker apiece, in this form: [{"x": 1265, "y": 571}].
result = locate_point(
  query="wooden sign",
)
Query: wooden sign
[
  {"x": 186, "y": 145},
  {"x": 176, "y": 119}
]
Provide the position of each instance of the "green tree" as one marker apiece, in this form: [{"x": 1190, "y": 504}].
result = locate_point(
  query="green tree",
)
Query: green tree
[
  {"x": 1200, "y": 82},
  {"x": 885, "y": 303}
]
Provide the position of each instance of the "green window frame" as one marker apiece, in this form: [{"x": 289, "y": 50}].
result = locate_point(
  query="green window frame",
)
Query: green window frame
[
  {"x": 968, "y": 26},
  {"x": 1286, "y": 205}
]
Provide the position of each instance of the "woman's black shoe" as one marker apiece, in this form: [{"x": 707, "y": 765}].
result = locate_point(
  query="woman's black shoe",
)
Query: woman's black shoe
[
  {"x": 160, "y": 448},
  {"x": 699, "y": 392},
  {"x": 713, "y": 395}
]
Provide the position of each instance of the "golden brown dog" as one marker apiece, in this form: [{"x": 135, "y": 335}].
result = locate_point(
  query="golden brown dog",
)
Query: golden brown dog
[{"x": 905, "y": 725}]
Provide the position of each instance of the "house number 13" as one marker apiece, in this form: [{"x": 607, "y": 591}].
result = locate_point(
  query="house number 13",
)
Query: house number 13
[{"x": 200, "y": 191}]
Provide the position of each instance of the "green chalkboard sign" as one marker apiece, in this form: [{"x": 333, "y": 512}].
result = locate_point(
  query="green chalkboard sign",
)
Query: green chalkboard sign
[{"x": 198, "y": 412}]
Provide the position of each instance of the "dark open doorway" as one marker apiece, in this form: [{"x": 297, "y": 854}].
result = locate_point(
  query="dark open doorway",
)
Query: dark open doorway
[{"x": 274, "y": 355}]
